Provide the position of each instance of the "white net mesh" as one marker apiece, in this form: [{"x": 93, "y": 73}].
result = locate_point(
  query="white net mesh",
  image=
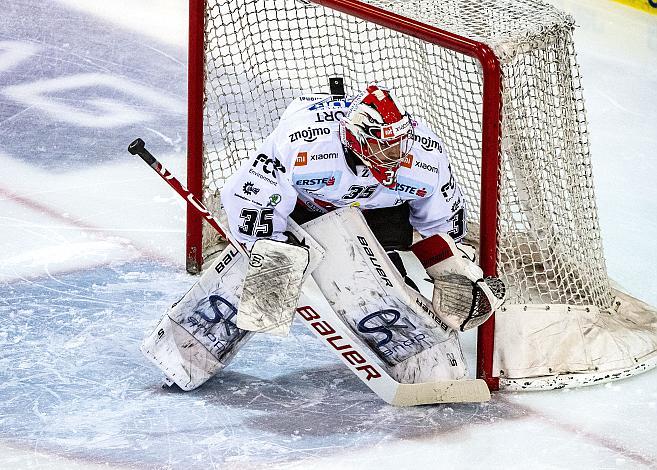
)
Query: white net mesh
[{"x": 262, "y": 53}]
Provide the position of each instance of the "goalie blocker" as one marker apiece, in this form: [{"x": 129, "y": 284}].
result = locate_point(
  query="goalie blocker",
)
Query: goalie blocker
[{"x": 272, "y": 285}]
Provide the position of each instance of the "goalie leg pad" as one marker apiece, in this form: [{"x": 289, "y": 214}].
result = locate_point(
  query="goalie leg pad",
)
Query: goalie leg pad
[
  {"x": 197, "y": 337},
  {"x": 370, "y": 296},
  {"x": 183, "y": 358}
]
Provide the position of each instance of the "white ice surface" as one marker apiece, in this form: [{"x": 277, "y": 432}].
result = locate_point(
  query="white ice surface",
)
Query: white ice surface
[{"x": 91, "y": 255}]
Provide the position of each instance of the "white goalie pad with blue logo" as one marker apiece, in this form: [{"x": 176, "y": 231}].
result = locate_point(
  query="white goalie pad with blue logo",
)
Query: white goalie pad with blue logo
[
  {"x": 364, "y": 288},
  {"x": 197, "y": 336}
]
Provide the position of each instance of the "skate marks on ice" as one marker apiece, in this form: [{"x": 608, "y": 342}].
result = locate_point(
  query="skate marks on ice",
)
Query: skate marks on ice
[
  {"x": 73, "y": 384},
  {"x": 70, "y": 369},
  {"x": 70, "y": 90}
]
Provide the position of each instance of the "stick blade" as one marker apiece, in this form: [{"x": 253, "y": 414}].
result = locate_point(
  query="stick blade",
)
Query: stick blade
[{"x": 448, "y": 391}]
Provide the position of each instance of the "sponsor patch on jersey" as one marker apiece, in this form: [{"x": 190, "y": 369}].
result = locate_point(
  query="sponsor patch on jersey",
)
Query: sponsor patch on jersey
[
  {"x": 250, "y": 189},
  {"x": 329, "y": 116},
  {"x": 426, "y": 166},
  {"x": 329, "y": 104},
  {"x": 324, "y": 156},
  {"x": 330, "y": 109},
  {"x": 449, "y": 188},
  {"x": 315, "y": 181},
  {"x": 243, "y": 198},
  {"x": 427, "y": 143},
  {"x": 268, "y": 165},
  {"x": 274, "y": 199},
  {"x": 412, "y": 187},
  {"x": 362, "y": 171},
  {"x": 407, "y": 161},
  {"x": 311, "y": 134},
  {"x": 258, "y": 174},
  {"x": 302, "y": 159},
  {"x": 310, "y": 98}
]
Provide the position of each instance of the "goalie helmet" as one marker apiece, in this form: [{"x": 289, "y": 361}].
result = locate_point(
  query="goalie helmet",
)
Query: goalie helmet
[{"x": 379, "y": 132}]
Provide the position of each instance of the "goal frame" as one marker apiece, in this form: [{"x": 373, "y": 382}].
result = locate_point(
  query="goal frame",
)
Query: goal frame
[{"x": 491, "y": 138}]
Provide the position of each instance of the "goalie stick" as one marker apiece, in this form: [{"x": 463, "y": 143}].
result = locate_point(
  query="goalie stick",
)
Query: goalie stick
[{"x": 324, "y": 323}]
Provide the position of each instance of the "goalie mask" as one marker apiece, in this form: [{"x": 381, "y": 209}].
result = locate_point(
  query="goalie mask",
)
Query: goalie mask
[{"x": 379, "y": 132}]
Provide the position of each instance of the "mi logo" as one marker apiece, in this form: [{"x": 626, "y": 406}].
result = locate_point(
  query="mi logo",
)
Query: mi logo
[
  {"x": 407, "y": 161},
  {"x": 302, "y": 159}
]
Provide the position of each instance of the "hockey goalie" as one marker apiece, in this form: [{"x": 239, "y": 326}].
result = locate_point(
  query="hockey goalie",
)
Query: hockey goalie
[{"x": 322, "y": 210}]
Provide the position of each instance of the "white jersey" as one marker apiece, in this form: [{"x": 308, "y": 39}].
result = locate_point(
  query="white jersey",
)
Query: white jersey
[{"x": 303, "y": 161}]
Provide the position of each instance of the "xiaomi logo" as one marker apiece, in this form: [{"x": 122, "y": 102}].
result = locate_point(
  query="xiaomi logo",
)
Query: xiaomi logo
[
  {"x": 302, "y": 159},
  {"x": 407, "y": 161}
]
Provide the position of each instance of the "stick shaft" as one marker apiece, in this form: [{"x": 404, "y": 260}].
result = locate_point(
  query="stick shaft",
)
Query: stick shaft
[{"x": 137, "y": 147}]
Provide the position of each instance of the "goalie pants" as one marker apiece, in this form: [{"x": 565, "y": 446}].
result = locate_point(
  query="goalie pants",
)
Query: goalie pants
[{"x": 390, "y": 226}]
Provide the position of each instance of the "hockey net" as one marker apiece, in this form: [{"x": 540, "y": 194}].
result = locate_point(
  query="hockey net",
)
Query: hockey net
[{"x": 497, "y": 80}]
